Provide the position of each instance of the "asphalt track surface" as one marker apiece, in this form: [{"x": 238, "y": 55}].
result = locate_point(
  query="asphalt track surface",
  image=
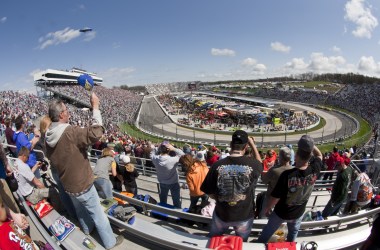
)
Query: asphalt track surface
[{"x": 152, "y": 118}]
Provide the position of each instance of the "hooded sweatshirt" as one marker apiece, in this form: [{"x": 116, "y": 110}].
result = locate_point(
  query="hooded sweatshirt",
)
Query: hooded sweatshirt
[
  {"x": 165, "y": 166},
  {"x": 66, "y": 147}
]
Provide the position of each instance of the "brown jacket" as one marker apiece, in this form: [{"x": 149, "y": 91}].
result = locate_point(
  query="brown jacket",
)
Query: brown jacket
[{"x": 66, "y": 147}]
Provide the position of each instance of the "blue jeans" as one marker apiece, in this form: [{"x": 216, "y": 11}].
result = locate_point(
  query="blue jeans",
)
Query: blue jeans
[
  {"x": 175, "y": 191},
  {"x": 90, "y": 200},
  {"x": 104, "y": 188},
  {"x": 65, "y": 198},
  {"x": 242, "y": 228},
  {"x": 331, "y": 209},
  {"x": 73, "y": 207},
  {"x": 274, "y": 222}
]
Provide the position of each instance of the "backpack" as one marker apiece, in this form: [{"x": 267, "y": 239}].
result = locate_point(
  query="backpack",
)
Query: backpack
[{"x": 362, "y": 190}]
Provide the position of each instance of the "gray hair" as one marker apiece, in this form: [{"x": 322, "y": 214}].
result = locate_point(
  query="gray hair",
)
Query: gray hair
[{"x": 55, "y": 109}]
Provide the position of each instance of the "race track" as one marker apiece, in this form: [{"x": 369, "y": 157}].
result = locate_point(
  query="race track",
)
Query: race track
[{"x": 153, "y": 119}]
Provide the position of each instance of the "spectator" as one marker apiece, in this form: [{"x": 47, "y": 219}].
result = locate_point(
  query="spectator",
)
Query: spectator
[
  {"x": 66, "y": 148},
  {"x": 232, "y": 182},
  {"x": 271, "y": 177},
  {"x": 12, "y": 235},
  {"x": 9, "y": 136},
  {"x": 18, "y": 218},
  {"x": 5, "y": 192},
  {"x": 269, "y": 160},
  {"x": 167, "y": 174},
  {"x": 195, "y": 175},
  {"x": 22, "y": 141},
  {"x": 292, "y": 191},
  {"x": 331, "y": 162},
  {"x": 28, "y": 185},
  {"x": 225, "y": 153},
  {"x": 292, "y": 159},
  {"x": 105, "y": 166},
  {"x": 340, "y": 188},
  {"x": 129, "y": 174},
  {"x": 40, "y": 145},
  {"x": 212, "y": 155}
]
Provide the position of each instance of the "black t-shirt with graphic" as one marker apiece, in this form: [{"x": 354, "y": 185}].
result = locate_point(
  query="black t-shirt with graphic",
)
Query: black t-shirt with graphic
[
  {"x": 233, "y": 181},
  {"x": 294, "y": 188}
]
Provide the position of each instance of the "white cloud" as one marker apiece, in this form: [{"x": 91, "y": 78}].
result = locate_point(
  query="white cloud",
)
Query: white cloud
[
  {"x": 259, "y": 68},
  {"x": 249, "y": 62},
  {"x": 117, "y": 76},
  {"x": 361, "y": 16},
  {"x": 318, "y": 63},
  {"x": 58, "y": 37},
  {"x": 222, "y": 52},
  {"x": 336, "y": 49},
  {"x": 296, "y": 64},
  {"x": 3, "y": 19},
  {"x": 321, "y": 63},
  {"x": 252, "y": 64},
  {"x": 88, "y": 36},
  {"x": 277, "y": 46},
  {"x": 368, "y": 64}
]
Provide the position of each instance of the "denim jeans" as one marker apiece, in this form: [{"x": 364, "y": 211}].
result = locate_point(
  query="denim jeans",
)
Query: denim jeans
[
  {"x": 274, "y": 222},
  {"x": 175, "y": 191},
  {"x": 331, "y": 209},
  {"x": 242, "y": 228},
  {"x": 104, "y": 188},
  {"x": 65, "y": 198},
  {"x": 90, "y": 200}
]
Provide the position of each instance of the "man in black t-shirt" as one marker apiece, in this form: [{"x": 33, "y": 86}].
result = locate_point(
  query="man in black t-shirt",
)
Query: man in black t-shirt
[
  {"x": 293, "y": 190},
  {"x": 232, "y": 182}
]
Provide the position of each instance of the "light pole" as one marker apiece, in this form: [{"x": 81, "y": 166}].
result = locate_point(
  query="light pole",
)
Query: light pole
[
  {"x": 162, "y": 128},
  {"x": 194, "y": 137}
]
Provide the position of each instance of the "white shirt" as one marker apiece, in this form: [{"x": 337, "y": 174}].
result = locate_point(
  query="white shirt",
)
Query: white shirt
[{"x": 24, "y": 177}]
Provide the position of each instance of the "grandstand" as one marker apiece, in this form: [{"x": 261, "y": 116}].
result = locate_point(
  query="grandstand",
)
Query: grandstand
[
  {"x": 338, "y": 232},
  {"x": 118, "y": 105}
]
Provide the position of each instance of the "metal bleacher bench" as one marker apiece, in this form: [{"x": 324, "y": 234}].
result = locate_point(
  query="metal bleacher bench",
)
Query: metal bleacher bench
[{"x": 337, "y": 232}]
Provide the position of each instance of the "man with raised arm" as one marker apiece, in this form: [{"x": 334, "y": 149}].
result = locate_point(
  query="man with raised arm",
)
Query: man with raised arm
[
  {"x": 292, "y": 191},
  {"x": 66, "y": 147}
]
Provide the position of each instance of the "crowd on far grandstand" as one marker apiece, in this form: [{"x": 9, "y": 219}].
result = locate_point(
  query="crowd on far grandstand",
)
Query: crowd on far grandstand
[
  {"x": 362, "y": 99},
  {"x": 118, "y": 105}
]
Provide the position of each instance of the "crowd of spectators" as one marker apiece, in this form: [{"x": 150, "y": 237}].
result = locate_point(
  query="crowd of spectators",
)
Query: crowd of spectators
[
  {"x": 165, "y": 88},
  {"x": 165, "y": 157},
  {"x": 118, "y": 105}
]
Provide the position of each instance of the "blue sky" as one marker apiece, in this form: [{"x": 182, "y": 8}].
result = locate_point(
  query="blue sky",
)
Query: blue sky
[{"x": 149, "y": 41}]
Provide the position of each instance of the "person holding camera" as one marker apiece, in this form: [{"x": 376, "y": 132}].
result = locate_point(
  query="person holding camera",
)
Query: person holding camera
[
  {"x": 28, "y": 185},
  {"x": 167, "y": 174}
]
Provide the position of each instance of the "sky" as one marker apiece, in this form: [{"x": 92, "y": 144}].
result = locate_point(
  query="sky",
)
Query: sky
[{"x": 143, "y": 42}]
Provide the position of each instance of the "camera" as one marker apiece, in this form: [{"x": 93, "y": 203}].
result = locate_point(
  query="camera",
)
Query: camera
[{"x": 44, "y": 165}]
